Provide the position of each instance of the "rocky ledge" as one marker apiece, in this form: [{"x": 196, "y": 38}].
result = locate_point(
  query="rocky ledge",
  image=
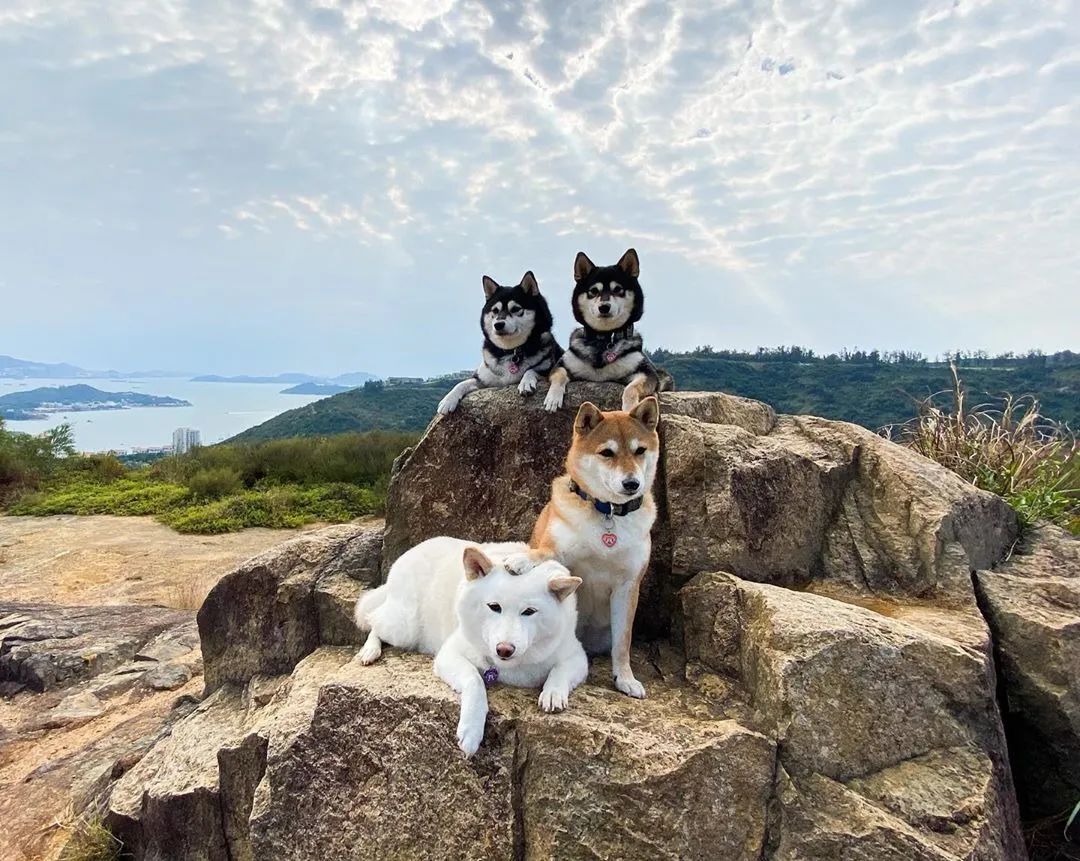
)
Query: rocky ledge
[{"x": 822, "y": 681}]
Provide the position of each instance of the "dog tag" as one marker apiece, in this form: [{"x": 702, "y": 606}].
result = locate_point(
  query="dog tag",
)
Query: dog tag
[
  {"x": 610, "y": 539},
  {"x": 491, "y": 676},
  {"x": 513, "y": 367},
  {"x": 610, "y": 356}
]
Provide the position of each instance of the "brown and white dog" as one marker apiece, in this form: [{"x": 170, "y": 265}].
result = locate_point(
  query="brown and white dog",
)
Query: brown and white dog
[{"x": 598, "y": 525}]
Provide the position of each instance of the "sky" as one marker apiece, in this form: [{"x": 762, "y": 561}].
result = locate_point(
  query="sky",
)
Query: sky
[{"x": 256, "y": 187}]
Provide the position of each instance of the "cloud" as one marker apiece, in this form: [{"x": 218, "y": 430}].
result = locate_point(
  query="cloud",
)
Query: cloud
[{"x": 793, "y": 152}]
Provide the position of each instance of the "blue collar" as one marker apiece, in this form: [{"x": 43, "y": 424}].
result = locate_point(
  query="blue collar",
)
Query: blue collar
[{"x": 618, "y": 509}]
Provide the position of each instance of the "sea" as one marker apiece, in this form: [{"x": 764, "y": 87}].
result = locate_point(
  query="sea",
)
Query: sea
[{"x": 218, "y": 411}]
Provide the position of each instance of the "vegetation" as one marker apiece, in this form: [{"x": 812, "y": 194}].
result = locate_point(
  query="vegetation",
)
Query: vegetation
[
  {"x": 278, "y": 484},
  {"x": 91, "y": 840},
  {"x": 870, "y": 388},
  {"x": 1011, "y": 450},
  {"x": 873, "y": 388},
  {"x": 406, "y": 407}
]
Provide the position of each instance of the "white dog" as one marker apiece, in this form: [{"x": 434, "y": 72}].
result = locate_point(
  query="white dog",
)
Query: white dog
[{"x": 483, "y": 622}]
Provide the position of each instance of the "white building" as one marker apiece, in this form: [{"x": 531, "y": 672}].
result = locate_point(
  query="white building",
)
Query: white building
[{"x": 185, "y": 439}]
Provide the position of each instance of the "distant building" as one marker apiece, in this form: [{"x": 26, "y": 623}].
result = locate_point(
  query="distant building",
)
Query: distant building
[
  {"x": 185, "y": 439},
  {"x": 391, "y": 382}
]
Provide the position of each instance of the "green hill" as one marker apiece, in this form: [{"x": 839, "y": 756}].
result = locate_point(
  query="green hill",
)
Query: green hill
[
  {"x": 872, "y": 389},
  {"x": 373, "y": 406}
]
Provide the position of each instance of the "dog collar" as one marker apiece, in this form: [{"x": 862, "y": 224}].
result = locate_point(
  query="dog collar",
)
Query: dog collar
[
  {"x": 609, "y": 339},
  {"x": 609, "y": 509}
]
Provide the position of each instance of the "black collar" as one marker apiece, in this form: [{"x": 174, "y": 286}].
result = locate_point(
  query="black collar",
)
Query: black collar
[
  {"x": 594, "y": 336},
  {"x": 618, "y": 509}
]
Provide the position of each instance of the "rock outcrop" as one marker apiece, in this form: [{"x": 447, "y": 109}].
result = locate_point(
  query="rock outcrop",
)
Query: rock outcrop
[
  {"x": 1032, "y": 603},
  {"x": 821, "y": 682}
]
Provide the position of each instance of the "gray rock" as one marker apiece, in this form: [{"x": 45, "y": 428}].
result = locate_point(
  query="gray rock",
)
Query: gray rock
[
  {"x": 167, "y": 677},
  {"x": 262, "y": 618},
  {"x": 1032, "y": 603},
  {"x": 73, "y": 710},
  {"x": 49, "y": 647},
  {"x": 335, "y": 599}
]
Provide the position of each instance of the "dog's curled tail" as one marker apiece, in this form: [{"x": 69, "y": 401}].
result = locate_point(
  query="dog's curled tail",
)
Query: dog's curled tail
[{"x": 371, "y": 600}]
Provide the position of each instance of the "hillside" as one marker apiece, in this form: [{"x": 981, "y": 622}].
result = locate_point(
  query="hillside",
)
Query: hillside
[
  {"x": 862, "y": 388},
  {"x": 370, "y": 407}
]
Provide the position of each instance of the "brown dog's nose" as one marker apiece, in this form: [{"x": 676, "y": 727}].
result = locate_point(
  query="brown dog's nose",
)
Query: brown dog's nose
[{"x": 505, "y": 650}]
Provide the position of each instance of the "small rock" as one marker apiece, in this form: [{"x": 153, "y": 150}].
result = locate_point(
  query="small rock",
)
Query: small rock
[
  {"x": 167, "y": 677},
  {"x": 73, "y": 710}
]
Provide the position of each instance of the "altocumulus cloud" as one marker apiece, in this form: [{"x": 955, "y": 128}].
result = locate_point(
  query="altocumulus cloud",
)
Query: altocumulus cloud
[{"x": 252, "y": 186}]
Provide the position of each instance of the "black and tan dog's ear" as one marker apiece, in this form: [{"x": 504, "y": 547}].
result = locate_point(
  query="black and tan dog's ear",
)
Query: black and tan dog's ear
[
  {"x": 476, "y": 564},
  {"x": 647, "y": 412},
  {"x": 490, "y": 286},
  {"x": 529, "y": 285},
  {"x": 629, "y": 264},
  {"x": 588, "y": 417},
  {"x": 564, "y": 587},
  {"x": 582, "y": 266}
]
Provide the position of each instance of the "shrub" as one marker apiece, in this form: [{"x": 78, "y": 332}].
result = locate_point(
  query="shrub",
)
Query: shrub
[
  {"x": 214, "y": 483},
  {"x": 1013, "y": 451}
]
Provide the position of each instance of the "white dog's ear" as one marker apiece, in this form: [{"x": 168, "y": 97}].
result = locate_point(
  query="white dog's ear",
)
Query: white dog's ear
[
  {"x": 647, "y": 412},
  {"x": 490, "y": 286},
  {"x": 564, "y": 587},
  {"x": 588, "y": 417},
  {"x": 476, "y": 564},
  {"x": 582, "y": 266},
  {"x": 529, "y": 285},
  {"x": 629, "y": 264}
]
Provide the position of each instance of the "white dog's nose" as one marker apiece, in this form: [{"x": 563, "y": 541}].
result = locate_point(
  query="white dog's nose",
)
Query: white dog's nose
[{"x": 505, "y": 650}]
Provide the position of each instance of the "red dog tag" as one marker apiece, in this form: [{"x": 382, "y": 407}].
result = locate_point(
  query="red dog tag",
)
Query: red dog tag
[
  {"x": 610, "y": 356},
  {"x": 609, "y": 539}
]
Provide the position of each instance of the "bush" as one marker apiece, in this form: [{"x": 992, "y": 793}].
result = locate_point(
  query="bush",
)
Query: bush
[
  {"x": 214, "y": 483},
  {"x": 1013, "y": 451}
]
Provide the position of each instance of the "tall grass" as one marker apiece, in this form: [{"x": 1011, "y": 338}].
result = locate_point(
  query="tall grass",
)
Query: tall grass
[{"x": 1009, "y": 448}]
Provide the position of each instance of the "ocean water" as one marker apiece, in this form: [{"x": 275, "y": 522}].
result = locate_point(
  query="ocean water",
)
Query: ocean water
[{"x": 218, "y": 411}]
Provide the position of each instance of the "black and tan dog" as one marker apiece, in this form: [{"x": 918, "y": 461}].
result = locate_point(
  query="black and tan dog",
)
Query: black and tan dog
[
  {"x": 607, "y": 302},
  {"x": 519, "y": 347}
]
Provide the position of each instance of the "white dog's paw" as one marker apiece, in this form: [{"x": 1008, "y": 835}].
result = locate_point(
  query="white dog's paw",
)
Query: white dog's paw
[
  {"x": 448, "y": 404},
  {"x": 554, "y": 699},
  {"x": 469, "y": 736},
  {"x": 630, "y": 686},
  {"x": 527, "y": 385},
  {"x": 370, "y": 653},
  {"x": 554, "y": 399}
]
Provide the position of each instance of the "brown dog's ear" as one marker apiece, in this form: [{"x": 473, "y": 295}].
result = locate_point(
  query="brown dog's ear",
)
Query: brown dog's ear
[
  {"x": 582, "y": 266},
  {"x": 647, "y": 412},
  {"x": 490, "y": 286},
  {"x": 588, "y": 417},
  {"x": 529, "y": 285},
  {"x": 564, "y": 587},
  {"x": 476, "y": 564},
  {"x": 629, "y": 264}
]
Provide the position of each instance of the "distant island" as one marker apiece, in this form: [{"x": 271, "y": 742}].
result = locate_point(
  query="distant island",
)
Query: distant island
[
  {"x": 22, "y": 369},
  {"x": 316, "y": 389},
  {"x": 43, "y": 402},
  {"x": 344, "y": 382}
]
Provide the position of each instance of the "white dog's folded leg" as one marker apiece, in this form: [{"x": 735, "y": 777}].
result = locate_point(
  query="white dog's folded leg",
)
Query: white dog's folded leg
[
  {"x": 450, "y": 403},
  {"x": 563, "y": 678},
  {"x": 372, "y": 650},
  {"x": 454, "y": 669}
]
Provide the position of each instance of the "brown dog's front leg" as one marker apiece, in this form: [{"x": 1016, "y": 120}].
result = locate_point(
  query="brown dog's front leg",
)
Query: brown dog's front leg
[{"x": 624, "y": 601}]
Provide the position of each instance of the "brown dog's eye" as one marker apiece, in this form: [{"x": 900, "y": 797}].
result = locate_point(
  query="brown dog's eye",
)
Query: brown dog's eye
[
  {"x": 607, "y": 452},
  {"x": 640, "y": 451}
]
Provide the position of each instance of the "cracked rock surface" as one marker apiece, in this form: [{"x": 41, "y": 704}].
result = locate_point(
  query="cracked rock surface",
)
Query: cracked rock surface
[{"x": 822, "y": 682}]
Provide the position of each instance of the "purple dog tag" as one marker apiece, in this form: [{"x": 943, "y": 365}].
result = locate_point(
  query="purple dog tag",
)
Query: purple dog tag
[{"x": 491, "y": 675}]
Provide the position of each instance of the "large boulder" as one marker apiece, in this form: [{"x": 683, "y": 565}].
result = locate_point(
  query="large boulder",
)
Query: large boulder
[
  {"x": 871, "y": 709},
  {"x": 280, "y": 606},
  {"x": 1032, "y": 603},
  {"x": 830, "y": 696}
]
